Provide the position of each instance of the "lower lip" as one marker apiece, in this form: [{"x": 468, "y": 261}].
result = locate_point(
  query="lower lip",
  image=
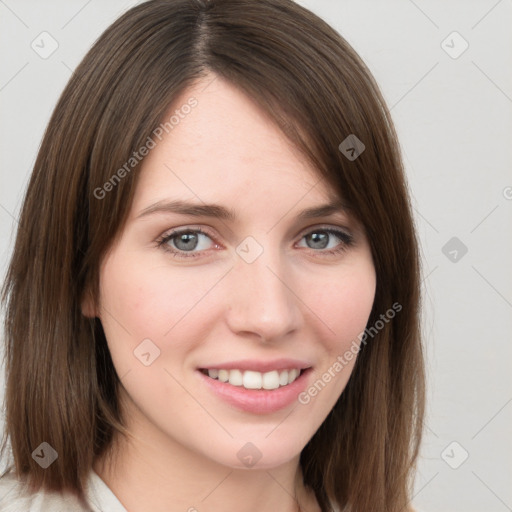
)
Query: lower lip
[{"x": 258, "y": 401}]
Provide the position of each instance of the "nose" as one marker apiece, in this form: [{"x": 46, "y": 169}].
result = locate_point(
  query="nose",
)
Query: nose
[{"x": 261, "y": 301}]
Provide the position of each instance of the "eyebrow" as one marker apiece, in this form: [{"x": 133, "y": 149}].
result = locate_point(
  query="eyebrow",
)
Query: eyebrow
[{"x": 221, "y": 212}]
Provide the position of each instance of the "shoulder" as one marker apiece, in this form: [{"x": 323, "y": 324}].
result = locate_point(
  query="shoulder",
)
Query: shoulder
[{"x": 15, "y": 497}]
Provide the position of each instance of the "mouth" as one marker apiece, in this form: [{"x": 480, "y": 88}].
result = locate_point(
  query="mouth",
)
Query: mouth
[
  {"x": 254, "y": 380},
  {"x": 256, "y": 392}
]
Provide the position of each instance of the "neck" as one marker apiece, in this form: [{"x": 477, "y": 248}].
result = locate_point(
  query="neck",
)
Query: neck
[{"x": 149, "y": 471}]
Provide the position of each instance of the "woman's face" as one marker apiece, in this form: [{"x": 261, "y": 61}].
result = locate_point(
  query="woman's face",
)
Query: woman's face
[{"x": 267, "y": 290}]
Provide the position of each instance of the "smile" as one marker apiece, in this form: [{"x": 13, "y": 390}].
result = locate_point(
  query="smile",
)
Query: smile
[{"x": 250, "y": 379}]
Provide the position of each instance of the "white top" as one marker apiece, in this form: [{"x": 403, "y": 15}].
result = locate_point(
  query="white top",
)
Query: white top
[
  {"x": 99, "y": 497},
  {"x": 14, "y": 498}
]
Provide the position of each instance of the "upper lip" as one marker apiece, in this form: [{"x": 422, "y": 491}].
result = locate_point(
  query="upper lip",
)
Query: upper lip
[{"x": 258, "y": 365}]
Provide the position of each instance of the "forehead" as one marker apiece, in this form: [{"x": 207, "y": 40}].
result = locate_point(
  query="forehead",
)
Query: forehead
[{"x": 225, "y": 149}]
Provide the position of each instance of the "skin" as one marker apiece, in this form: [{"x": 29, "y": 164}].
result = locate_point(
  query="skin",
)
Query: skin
[{"x": 292, "y": 301}]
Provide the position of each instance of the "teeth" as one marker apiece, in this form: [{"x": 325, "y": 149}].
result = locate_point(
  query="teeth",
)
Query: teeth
[
  {"x": 271, "y": 380},
  {"x": 223, "y": 375},
  {"x": 293, "y": 374},
  {"x": 256, "y": 380},
  {"x": 252, "y": 380},
  {"x": 235, "y": 377}
]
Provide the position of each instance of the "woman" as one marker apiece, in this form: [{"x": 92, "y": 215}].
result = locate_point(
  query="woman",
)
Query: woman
[{"x": 213, "y": 298}]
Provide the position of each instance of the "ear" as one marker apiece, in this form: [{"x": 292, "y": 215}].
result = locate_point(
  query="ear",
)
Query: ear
[{"x": 88, "y": 306}]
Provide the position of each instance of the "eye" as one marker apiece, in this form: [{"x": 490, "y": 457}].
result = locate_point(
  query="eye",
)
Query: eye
[
  {"x": 191, "y": 242},
  {"x": 181, "y": 242},
  {"x": 328, "y": 240}
]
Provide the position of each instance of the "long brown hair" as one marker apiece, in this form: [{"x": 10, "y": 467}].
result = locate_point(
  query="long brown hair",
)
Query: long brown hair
[{"x": 61, "y": 382}]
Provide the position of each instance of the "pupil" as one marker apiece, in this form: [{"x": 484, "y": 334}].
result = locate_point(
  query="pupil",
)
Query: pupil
[
  {"x": 188, "y": 241},
  {"x": 319, "y": 240}
]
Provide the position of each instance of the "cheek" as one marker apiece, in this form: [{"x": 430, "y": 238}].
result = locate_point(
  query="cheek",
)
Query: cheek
[
  {"x": 141, "y": 300},
  {"x": 344, "y": 306},
  {"x": 131, "y": 297}
]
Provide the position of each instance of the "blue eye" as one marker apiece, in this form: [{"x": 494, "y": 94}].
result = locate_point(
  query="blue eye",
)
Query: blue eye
[
  {"x": 187, "y": 243},
  {"x": 325, "y": 238}
]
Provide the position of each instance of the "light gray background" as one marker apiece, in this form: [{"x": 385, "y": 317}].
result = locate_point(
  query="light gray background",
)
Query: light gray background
[{"x": 454, "y": 120}]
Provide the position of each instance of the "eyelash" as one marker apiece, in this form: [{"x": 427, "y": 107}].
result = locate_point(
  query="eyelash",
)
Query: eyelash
[{"x": 346, "y": 241}]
